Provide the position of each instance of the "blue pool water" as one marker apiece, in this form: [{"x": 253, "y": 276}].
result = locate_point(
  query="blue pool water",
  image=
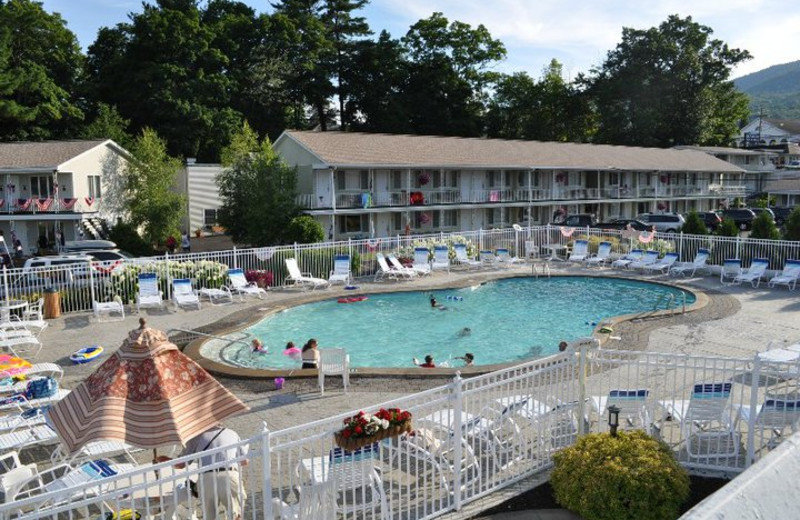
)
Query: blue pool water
[{"x": 508, "y": 320}]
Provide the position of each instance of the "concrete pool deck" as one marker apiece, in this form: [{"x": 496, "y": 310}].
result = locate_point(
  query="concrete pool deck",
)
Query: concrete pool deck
[{"x": 736, "y": 321}]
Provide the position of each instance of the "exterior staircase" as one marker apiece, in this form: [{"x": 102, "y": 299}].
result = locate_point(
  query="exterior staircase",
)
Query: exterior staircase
[{"x": 95, "y": 228}]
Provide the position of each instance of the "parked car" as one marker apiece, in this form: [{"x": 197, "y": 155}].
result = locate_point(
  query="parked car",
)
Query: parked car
[
  {"x": 742, "y": 217},
  {"x": 759, "y": 211},
  {"x": 579, "y": 220},
  {"x": 711, "y": 219},
  {"x": 57, "y": 263},
  {"x": 623, "y": 223},
  {"x": 663, "y": 222},
  {"x": 781, "y": 213}
]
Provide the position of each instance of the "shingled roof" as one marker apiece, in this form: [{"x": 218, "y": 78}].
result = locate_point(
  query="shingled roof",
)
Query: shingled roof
[
  {"x": 42, "y": 155},
  {"x": 352, "y": 149}
]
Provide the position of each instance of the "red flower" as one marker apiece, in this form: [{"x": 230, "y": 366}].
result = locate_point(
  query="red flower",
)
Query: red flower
[
  {"x": 358, "y": 429},
  {"x": 345, "y": 433}
]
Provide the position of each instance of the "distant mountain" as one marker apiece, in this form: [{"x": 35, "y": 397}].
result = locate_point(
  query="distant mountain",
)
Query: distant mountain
[{"x": 775, "y": 90}]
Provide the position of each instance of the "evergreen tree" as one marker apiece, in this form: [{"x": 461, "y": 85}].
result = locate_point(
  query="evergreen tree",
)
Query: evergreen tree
[
  {"x": 764, "y": 227},
  {"x": 727, "y": 228},
  {"x": 792, "y": 225},
  {"x": 694, "y": 225}
]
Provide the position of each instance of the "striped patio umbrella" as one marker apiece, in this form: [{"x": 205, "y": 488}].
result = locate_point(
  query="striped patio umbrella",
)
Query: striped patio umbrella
[{"x": 148, "y": 394}]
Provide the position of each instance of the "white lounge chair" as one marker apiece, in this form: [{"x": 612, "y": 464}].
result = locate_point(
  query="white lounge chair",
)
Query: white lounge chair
[
  {"x": 462, "y": 258},
  {"x": 754, "y": 273},
  {"x": 27, "y": 435},
  {"x": 149, "y": 295},
  {"x": 580, "y": 251},
  {"x": 531, "y": 249},
  {"x": 422, "y": 262},
  {"x": 341, "y": 270},
  {"x": 239, "y": 285},
  {"x": 691, "y": 268},
  {"x": 397, "y": 266},
  {"x": 650, "y": 257},
  {"x": 22, "y": 403},
  {"x": 707, "y": 421},
  {"x": 772, "y": 417},
  {"x": 217, "y": 296},
  {"x": 787, "y": 277},
  {"x": 602, "y": 256},
  {"x": 34, "y": 311},
  {"x": 662, "y": 266},
  {"x": 20, "y": 345},
  {"x": 731, "y": 269},
  {"x": 487, "y": 258},
  {"x": 634, "y": 409},
  {"x": 300, "y": 279},
  {"x": 504, "y": 258},
  {"x": 626, "y": 259},
  {"x": 441, "y": 258},
  {"x": 384, "y": 271},
  {"x": 183, "y": 295},
  {"x": 333, "y": 362},
  {"x": 109, "y": 311}
]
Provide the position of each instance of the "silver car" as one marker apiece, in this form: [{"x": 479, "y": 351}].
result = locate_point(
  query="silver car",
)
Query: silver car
[{"x": 663, "y": 222}]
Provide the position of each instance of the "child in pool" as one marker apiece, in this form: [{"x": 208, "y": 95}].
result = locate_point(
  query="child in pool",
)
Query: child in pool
[
  {"x": 292, "y": 351},
  {"x": 258, "y": 347}
]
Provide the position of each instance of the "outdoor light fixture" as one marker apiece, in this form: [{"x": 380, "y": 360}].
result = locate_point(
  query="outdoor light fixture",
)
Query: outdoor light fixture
[{"x": 613, "y": 419}]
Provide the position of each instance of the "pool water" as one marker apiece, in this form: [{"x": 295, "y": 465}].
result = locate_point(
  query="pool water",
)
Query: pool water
[{"x": 500, "y": 321}]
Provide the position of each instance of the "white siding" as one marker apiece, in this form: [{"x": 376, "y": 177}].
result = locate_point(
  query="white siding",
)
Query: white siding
[{"x": 203, "y": 192}]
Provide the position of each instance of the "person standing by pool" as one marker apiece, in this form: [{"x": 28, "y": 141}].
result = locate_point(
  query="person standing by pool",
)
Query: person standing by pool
[
  {"x": 310, "y": 354},
  {"x": 427, "y": 364}
]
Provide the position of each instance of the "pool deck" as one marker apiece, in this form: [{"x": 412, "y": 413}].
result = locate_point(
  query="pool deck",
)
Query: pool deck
[{"x": 735, "y": 321}]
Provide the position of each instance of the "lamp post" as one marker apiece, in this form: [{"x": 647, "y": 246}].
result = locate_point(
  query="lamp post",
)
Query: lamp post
[{"x": 613, "y": 419}]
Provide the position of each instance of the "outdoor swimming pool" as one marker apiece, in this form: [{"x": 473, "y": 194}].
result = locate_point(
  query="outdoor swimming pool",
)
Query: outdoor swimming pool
[{"x": 507, "y": 320}]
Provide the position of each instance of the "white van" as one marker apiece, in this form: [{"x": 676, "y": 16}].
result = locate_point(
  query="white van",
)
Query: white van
[
  {"x": 88, "y": 245},
  {"x": 38, "y": 263}
]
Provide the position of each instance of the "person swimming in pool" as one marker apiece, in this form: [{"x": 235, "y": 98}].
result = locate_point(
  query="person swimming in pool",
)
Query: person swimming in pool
[
  {"x": 466, "y": 331},
  {"x": 258, "y": 347},
  {"x": 467, "y": 358},
  {"x": 427, "y": 364},
  {"x": 433, "y": 301}
]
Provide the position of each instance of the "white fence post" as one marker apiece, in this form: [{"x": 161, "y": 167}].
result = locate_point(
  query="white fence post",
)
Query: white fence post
[
  {"x": 680, "y": 247},
  {"x": 582, "y": 354},
  {"x": 266, "y": 496},
  {"x": 755, "y": 377},
  {"x": 458, "y": 405},
  {"x": 235, "y": 259}
]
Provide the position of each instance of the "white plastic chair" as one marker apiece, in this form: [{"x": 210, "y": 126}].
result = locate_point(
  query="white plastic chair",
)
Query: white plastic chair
[
  {"x": 341, "y": 270},
  {"x": 183, "y": 295},
  {"x": 634, "y": 410},
  {"x": 650, "y": 257},
  {"x": 787, "y": 277},
  {"x": 422, "y": 263},
  {"x": 663, "y": 266},
  {"x": 34, "y": 311},
  {"x": 580, "y": 251},
  {"x": 462, "y": 258},
  {"x": 242, "y": 287},
  {"x": 754, "y": 273},
  {"x": 731, "y": 269},
  {"x": 504, "y": 258},
  {"x": 109, "y": 311},
  {"x": 397, "y": 266},
  {"x": 149, "y": 295},
  {"x": 602, "y": 256},
  {"x": 625, "y": 260},
  {"x": 301, "y": 279},
  {"x": 384, "y": 271},
  {"x": 333, "y": 362}
]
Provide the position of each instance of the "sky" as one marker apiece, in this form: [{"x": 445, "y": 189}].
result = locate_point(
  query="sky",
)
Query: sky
[{"x": 578, "y": 33}]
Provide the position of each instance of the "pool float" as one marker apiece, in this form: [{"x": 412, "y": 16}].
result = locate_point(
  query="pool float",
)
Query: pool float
[
  {"x": 606, "y": 330},
  {"x": 13, "y": 365},
  {"x": 352, "y": 299},
  {"x": 294, "y": 351},
  {"x": 86, "y": 354}
]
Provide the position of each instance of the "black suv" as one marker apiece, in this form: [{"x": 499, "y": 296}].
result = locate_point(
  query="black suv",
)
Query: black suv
[
  {"x": 759, "y": 211},
  {"x": 781, "y": 213},
  {"x": 711, "y": 219},
  {"x": 622, "y": 223},
  {"x": 742, "y": 217},
  {"x": 579, "y": 220}
]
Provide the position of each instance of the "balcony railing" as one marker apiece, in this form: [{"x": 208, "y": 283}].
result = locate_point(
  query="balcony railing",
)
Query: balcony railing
[
  {"x": 448, "y": 196},
  {"x": 31, "y": 206}
]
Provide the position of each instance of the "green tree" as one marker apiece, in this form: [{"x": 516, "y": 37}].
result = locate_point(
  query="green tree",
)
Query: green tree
[
  {"x": 108, "y": 124},
  {"x": 792, "y": 225},
  {"x": 40, "y": 71},
  {"x": 127, "y": 238},
  {"x": 149, "y": 177},
  {"x": 257, "y": 190},
  {"x": 727, "y": 228},
  {"x": 764, "y": 227},
  {"x": 694, "y": 225},
  {"x": 304, "y": 229},
  {"x": 668, "y": 85}
]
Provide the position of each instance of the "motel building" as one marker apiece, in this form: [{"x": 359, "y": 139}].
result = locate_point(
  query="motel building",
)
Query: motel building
[{"x": 361, "y": 185}]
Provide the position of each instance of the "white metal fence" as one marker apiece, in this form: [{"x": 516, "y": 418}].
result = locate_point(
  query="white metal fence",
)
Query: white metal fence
[
  {"x": 79, "y": 286},
  {"x": 471, "y": 437}
]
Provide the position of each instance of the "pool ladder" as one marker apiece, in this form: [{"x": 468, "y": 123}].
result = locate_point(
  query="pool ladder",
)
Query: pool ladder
[
  {"x": 187, "y": 336},
  {"x": 545, "y": 270},
  {"x": 670, "y": 303}
]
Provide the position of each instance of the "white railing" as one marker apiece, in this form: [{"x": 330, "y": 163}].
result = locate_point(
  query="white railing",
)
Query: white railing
[
  {"x": 473, "y": 437},
  {"x": 78, "y": 286}
]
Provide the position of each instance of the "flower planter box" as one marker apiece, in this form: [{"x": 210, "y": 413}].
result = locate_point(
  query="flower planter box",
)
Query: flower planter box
[{"x": 355, "y": 443}]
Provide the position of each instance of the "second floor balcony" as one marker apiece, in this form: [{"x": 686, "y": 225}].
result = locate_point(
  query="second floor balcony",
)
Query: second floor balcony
[{"x": 33, "y": 206}]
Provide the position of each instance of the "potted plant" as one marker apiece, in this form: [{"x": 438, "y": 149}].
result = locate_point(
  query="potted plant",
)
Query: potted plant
[
  {"x": 198, "y": 233},
  {"x": 363, "y": 428}
]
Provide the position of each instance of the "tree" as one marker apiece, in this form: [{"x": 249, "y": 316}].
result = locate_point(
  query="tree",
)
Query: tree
[
  {"x": 727, "y": 228},
  {"x": 764, "y": 227},
  {"x": 257, "y": 190},
  {"x": 792, "y": 225},
  {"x": 40, "y": 70},
  {"x": 149, "y": 178},
  {"x": 667, "y": 86},
  {"x": 108, "y": 124},
  {"x": 304, "y": 230},
  {"x": 694, "y": 225}
]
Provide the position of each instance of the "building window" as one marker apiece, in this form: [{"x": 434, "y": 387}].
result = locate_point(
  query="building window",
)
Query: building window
[
  {"x": 354, "y": 224},
  {"x": 397, "y": 179},
  {"x": 41, "y": 187},
  {"x": 94, "y": 186},
  {"x": 397, "y": 218},
  {"x": 209, "y": 217},
  {"x": 341, "y": 180},
  {"x": 364, "y": 179}
]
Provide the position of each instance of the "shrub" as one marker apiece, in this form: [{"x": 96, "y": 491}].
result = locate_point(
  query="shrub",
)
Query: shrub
[
  {"x": 694, "y": 225},
  {"x": 127, "y": 238},
  {"x": 764, "y": 227},
  {"x": 304, "y": 230},
  {"x": 792, "y": 225},
  {"x": 631, "y": 476},
  {"x": 261, "y": 277},
  {"x": 728, "y": 228}
]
